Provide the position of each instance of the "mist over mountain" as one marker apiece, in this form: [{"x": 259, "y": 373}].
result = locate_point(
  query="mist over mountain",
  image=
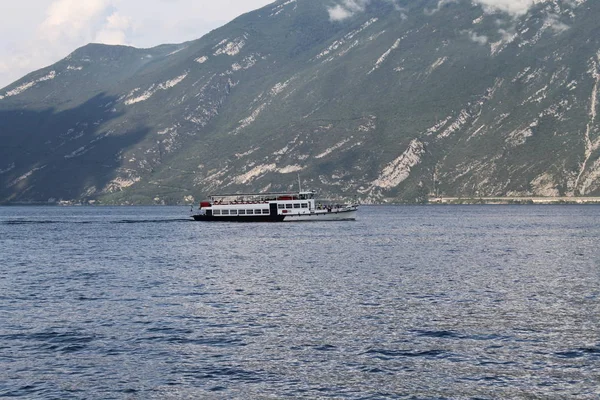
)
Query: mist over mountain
[{"x": 386, "y": 100}]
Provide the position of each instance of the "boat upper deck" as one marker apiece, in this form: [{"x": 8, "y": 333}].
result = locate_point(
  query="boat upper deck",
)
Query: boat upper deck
[{"x": 260, "y": 198}]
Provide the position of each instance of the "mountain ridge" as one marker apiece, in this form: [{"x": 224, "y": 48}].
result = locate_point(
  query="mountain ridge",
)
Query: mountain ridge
[{"x": 400, "y": 101}]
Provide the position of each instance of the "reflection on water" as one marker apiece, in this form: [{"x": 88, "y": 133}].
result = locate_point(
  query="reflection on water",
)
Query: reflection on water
[{"x": 406, "y": 302}]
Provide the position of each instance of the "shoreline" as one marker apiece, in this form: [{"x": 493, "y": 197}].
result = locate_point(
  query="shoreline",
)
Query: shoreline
[
  {"x": 499, "y": 200},
  {"x": 514, "y": 200}
]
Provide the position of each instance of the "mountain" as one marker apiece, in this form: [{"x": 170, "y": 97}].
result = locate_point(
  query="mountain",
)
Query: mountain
[{"x": 385, "y": 100}]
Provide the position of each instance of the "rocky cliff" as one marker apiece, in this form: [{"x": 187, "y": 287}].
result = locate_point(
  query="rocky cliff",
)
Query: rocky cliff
[{"x": 386, "y": 100}]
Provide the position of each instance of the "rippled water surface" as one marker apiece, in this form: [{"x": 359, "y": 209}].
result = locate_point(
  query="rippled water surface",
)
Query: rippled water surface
[{"x": 408, "y": 302}]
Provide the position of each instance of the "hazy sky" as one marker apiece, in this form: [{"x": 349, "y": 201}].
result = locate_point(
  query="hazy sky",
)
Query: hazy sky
[{"x": 37, "y": 33}]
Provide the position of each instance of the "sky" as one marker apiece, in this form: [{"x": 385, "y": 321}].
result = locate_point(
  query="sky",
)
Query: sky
[{"x": 38, "y": 33}]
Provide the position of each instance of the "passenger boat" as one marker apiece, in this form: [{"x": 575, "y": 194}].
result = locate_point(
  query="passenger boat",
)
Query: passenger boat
[{"x": 272, "y": 207}]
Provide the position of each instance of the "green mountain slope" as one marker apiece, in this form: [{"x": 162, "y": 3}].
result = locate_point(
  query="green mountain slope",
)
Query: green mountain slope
[{"x": 400, "y": 100}]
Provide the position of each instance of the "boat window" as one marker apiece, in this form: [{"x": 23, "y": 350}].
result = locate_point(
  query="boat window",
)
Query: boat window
[
  {"x": 304, "y": 205},
  {"x": 225, "y": 212},
  {"x": 233, "y": 212},
  {"x": 250, "y": 212},
  {"x": 280, "y": 206},
  {"x": 242, "y": 212},
  {"x": 297, "y": 205},
  {"x": 265, "y": 211},
  {"x": 289, "y": 206},
  {"x": 216, "y": 212},
  {"x": 257, "y": 211}
]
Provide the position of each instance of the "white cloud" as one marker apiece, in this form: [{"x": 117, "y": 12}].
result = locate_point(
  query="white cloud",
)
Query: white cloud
[
  {"x": 37, "y": 33},
  {"x": 71, "y": 23},
  {"x": 555, "y": 24},
  {"x": 66, "y": 25},
  {"x": 513, "y": 7},
  {"x": 339, "y": 13},
  {"x": 115, "y": 31},
  {"x": 356, "y": 5},
  {"x": 480, "y": 39},
  {"x": 70, "y": 19},
  {"x": 348, "y": 8}
]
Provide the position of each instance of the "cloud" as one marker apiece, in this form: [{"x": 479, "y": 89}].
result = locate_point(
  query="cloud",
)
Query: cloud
[
  {"x": 553, "y": 22},
  {"x": 348, "y": 8},
  {"x": 37, "y": 33},
  {"x": 67, "y": 25},
  {"x": 480, "y": 39},
  {"x": 115, "y": 31},
  {"x": 339, "y": 13},
  {"x": 72, "y": 22},
  {"x": 441, "y": 3},
  {"x": 512, "y": 7}
]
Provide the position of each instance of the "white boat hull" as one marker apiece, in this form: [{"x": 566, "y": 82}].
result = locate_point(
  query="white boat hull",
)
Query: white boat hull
[{"x": 323, "y": 216}]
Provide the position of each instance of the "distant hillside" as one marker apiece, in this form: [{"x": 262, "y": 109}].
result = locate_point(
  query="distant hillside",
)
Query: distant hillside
[{"x": 398, "y": 101}]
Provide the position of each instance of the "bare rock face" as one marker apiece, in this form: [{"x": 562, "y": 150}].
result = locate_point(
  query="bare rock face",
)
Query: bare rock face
[{"x": 387, "y": 100}]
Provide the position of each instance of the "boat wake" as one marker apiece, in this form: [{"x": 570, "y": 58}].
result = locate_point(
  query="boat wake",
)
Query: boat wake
[
  {"x": 151, "y": 221},
  {"x": 40, "y": 222},
  {"x": 124, "y": 221}
]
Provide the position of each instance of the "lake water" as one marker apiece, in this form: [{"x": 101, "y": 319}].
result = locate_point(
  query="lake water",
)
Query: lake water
[{"x": 414, "y": 302}]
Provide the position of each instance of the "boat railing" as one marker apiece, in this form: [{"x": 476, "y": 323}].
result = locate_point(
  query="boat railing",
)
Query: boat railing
[
  {"x": 261, "y": 198},
  {"x": 228, "y": 203}
]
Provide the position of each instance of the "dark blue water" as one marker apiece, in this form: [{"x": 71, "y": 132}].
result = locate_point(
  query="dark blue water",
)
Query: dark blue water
[{"x": 475, "y": 302}]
